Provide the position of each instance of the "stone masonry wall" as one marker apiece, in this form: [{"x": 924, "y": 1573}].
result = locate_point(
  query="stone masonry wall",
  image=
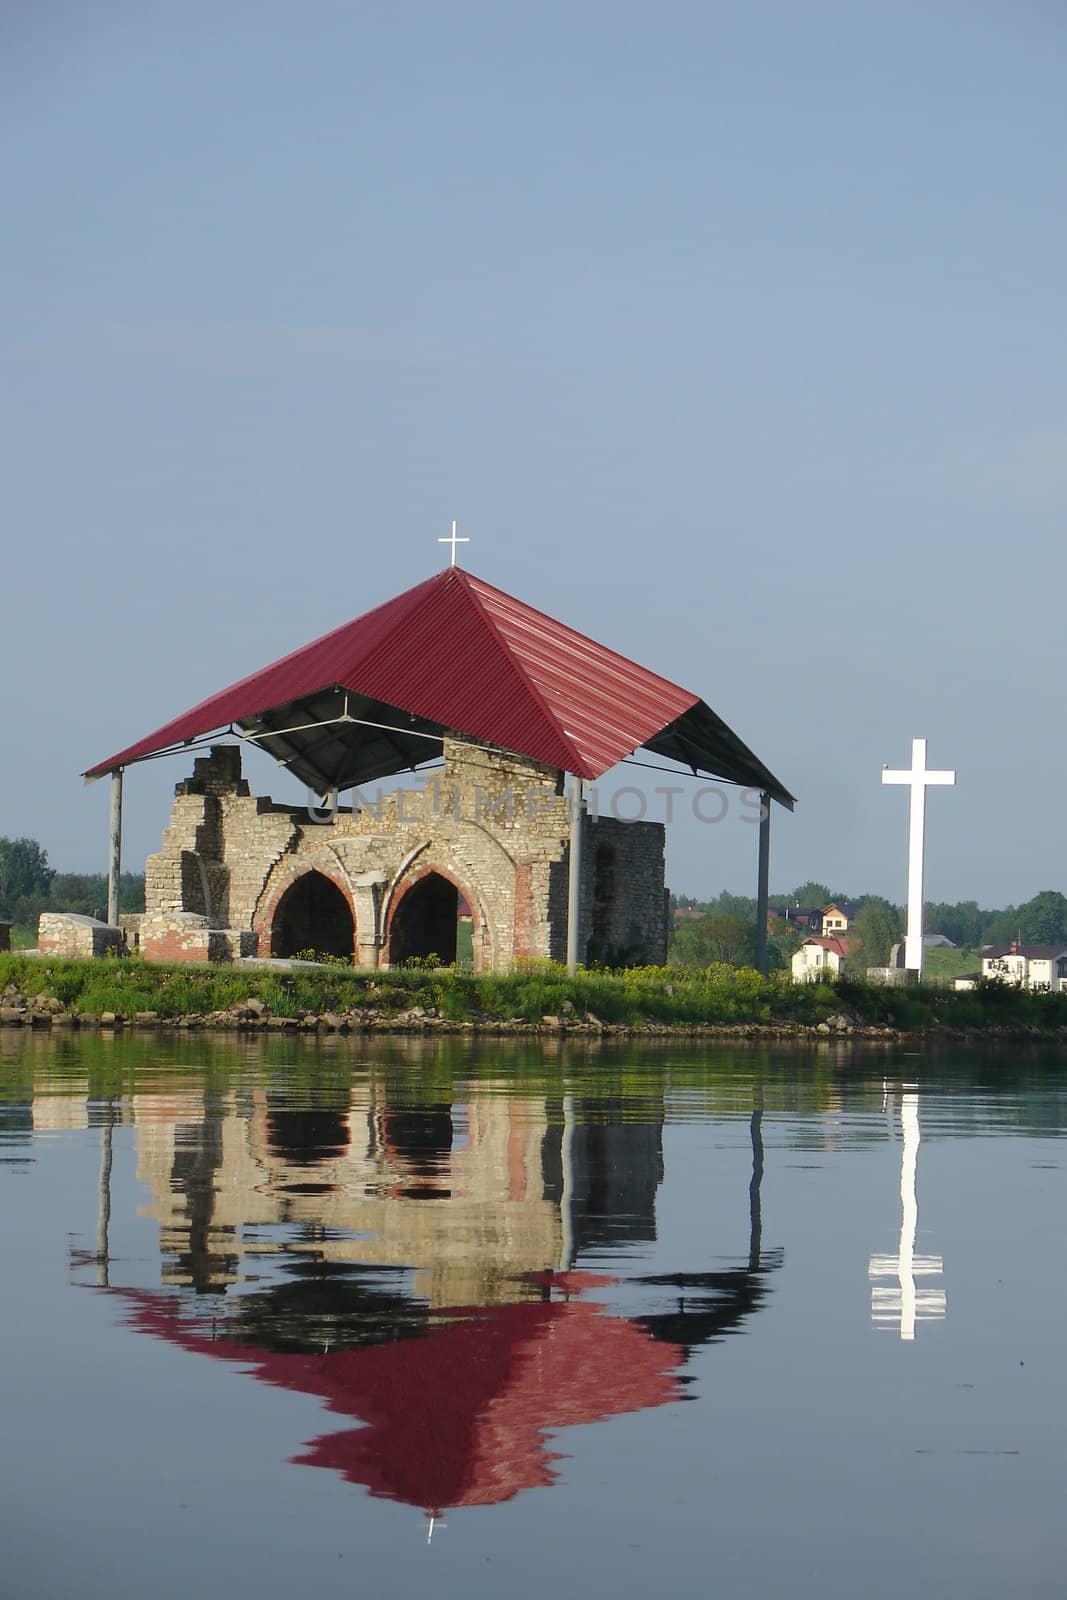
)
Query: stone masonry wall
[
  {"x": 66, "y": 933},
  {"x": 495, "y": 826}
]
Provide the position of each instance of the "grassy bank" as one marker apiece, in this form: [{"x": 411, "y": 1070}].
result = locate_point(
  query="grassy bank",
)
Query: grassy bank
[{"x": 35, "y": 990}]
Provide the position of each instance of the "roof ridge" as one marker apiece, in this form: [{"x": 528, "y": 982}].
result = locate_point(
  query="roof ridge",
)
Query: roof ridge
[{"x": 504, "y": 650}]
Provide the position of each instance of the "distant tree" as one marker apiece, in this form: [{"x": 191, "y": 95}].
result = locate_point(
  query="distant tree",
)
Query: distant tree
[
  {"x": 47, "y": 890},
  {"x": 1043, "y": 920},
  {"x": 1002, "y": 926},
  {"x": 733, "y": 905},
  {"x": 873, "y": 934},
  {"x": 713, "y": 939},
  {"x": 86, "y": 892},
  {"x": 963, "y": 923},
  {"x": 784, "y": 942},
  {"x": 811, "y": 895},
  {"x": 878, "y": 900},
  {"x": 24, "y": 871}
]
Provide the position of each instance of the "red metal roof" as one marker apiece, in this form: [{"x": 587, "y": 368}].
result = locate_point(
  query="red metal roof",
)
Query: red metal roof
[
  {"x": 833, "y": 945},
  {"x": 461, "y": 656}
]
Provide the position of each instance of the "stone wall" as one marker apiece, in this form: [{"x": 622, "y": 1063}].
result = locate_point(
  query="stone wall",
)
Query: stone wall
[
  {"x": 186, "y": 936},
  {"x": 493, "y": 826},
  {"x": 64, "y": 933}
]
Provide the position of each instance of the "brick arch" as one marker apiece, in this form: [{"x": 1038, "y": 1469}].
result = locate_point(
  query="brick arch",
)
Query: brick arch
[
  {"x": 415, "y": 872},
  {"x": 281, "y": 878}
]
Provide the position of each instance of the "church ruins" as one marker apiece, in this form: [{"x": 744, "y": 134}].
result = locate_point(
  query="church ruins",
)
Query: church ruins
[
  {"x": 486, "y": 837},
  {"x": 505, "y": 715}
]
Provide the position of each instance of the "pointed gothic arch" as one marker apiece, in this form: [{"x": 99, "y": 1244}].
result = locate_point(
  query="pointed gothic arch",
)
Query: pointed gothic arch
[
  {"x": 313, "y": 914},
  {"x": 424, "y": 920}
]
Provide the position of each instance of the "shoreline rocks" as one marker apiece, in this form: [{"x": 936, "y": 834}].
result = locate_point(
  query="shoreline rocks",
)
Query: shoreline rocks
[{"x": 253, "y": 1015}]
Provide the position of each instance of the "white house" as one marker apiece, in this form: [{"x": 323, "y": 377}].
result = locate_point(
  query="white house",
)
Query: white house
[
  {"x": 1033, "y": 966},
  {"x": 817, "y": 954}
]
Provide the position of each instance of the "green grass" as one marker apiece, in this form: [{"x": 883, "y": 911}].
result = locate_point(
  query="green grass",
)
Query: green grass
[
  {"x": 652, "y": 996},
  {"x": 941, "y": 966}
]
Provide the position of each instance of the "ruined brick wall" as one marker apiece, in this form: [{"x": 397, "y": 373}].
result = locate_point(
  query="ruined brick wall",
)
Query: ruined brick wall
[
  {"x": 624, "y": 906},
  {"x": 494, "y": 826}
]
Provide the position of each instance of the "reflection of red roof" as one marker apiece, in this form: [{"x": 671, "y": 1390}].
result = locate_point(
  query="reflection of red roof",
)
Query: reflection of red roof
[{"x": 456, "y": 1417}]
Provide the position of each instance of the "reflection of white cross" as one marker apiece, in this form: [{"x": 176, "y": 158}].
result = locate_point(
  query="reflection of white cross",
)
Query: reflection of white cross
[
  {"x": 918, "y": 778},
  {"x": 907, "y": 1304},
  {"x": 453, "y": 541}
]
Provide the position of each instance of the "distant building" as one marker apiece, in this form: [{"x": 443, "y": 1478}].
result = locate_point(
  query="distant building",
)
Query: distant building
[
  {"x": 931, "y": 941},
  {"x": 838, "y": 917},
  {"x": 806, "y": 919},
  {"x": 818, "y": 954},
  {"x": 1032, "y": 966}
]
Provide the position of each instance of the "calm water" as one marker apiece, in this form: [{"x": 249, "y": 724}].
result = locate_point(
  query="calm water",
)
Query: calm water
[{"x": 292, "y": 1318}]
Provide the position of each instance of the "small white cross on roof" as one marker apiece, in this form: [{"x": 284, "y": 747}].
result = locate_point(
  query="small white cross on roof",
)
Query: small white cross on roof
[{"x": 453, "y": 541}]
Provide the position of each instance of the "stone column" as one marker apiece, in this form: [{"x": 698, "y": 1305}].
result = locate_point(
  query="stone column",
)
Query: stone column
[{"x": 367, "y": 895}]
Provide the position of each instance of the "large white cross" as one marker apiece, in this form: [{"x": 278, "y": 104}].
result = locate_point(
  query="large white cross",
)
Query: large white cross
[
  {"x": 918, "y": 778},
  {"x": 453, "y": 541}
]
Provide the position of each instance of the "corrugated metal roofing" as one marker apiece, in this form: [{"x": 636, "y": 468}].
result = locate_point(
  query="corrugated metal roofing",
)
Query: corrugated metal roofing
[{"x": 454, "y": 654}]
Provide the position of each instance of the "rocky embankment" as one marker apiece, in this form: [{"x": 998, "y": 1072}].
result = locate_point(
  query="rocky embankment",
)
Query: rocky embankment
[
  {"x": 41, "y": 1011},
  {"x": 47, "y": 1012}
]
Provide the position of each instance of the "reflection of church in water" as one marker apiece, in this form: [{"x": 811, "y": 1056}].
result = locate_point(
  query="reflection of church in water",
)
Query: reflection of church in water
[{"x": 424, "y": 1269}]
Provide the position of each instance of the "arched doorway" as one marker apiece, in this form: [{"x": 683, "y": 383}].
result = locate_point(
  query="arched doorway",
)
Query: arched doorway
[
  {"x": 313, "y": 914},
  {"x": 426, "y": 922}
]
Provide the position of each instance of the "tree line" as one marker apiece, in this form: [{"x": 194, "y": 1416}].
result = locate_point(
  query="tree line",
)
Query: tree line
[
  {"x": 726, "y": 930},
  {"x": 28, "y": 886}
]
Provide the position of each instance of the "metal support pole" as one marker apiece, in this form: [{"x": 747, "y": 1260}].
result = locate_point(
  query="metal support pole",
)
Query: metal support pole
[
  {"x": 103, "y": 1200},
  {"x": 114, "y": 859},
  {"x": 763, "y": 882},
  {"x": 566, "y": 1199},
  {"x": 755, "y": 1210},
  {"x": 574, "y": 872}
]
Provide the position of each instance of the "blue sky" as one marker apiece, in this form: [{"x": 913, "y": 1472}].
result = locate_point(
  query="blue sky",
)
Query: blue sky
[{"x": 732, "y": 334}]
